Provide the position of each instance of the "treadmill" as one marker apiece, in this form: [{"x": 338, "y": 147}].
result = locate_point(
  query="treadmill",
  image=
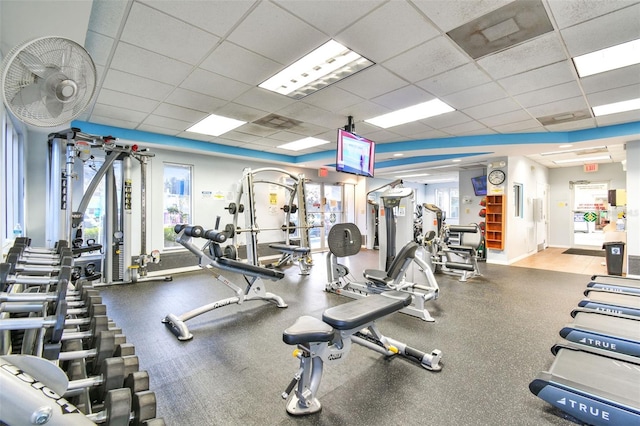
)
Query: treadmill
[
  {"x": 613, "y": 284},
  {"x": 594, "y": 389},
  {"x": 603, "y": 331},
  {"x": 612, "y": 303}
]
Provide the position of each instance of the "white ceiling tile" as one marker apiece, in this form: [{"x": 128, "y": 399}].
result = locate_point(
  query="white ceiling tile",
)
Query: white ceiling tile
[
  {"x": 550, "y": 75},
  {"x": 559, "y": 107},
  {"x": 605, "y": 31},
  {"x": 106, "y": 16},
  {"x": 529, "y": 125},
  {"x": 430, "y": 134},
  {"x": 549, "y": 94},
  {"x": 240, "y": 112},
  {"x": 157, "y": 129},
  {"x": 475, "y": 96},
  {"x": 179, "y": 113},
  {"x": 364, "y": 110},
  {"x": 99, "y": 47},
  {"x": 135, "y": 60},
  {"x": 626, "y": 76},
  {"x": 447, "y": 120},
  {"x": 371, "y": 82},
  {"x": 236, "y": 135},
  {"x": 465, "y": 128},
  {"x": 126, "y": 100},
  {"x": 118, "y": 113},
  {"x": 428, "y": 59},
  {"x": 506, "y": 118},
  {"x": 455, "y": 80},
  {"x": 310, "y": 114},
  {"x": 284, "y": 39},
  {"x": 263, "y": 99},
  {"x": 410, "y": 130},
  {"x": 167, "y": 123},
  {"x": 240, "y": 64},
  {"x": 541, "y": 51},
  {"x": 256, "y": 130},
  {"x": 135, "y": 85},
  {"x": 115, "y": 122},
  {"x": 622, "y": 117},
  {"x": 493, "y": 108},
  {"x": 196, "y": 136},
  {"x": 615, "y": 95},
  {"x": 216, "y": 17},
  {"x": 447, "y": 14},
  {"x": 214, "y": 85},
  {"x": 331, "y": 19},
  {"x": 403, "y": 97},
  {"x": 193, "y": 100},
  {"x": 332, "y": 98},
  {"x": 404, "y": 30},
  {"x": 569, "y": 13},
  {"x": 149, "y": 29}
]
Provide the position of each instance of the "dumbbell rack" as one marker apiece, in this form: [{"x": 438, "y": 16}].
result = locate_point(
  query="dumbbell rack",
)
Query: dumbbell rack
[{"x": 62, "y": 360}]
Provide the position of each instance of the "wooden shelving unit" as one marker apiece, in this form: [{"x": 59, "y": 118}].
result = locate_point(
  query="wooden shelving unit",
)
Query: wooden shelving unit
[{"x": 495, "y": 219}]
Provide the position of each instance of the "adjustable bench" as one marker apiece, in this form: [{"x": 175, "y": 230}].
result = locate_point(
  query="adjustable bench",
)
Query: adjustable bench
[
  {"x": 256, "y": 290},
  {"x": 296, "y": 254},
  {"x": 329, "y": 340}
]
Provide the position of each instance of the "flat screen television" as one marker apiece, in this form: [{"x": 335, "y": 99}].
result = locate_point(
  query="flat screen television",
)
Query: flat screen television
[
  {"x": 479, "y": 185},
  {"x": 355, "y": 154}
]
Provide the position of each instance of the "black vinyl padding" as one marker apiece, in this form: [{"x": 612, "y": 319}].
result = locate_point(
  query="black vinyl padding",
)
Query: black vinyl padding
[
  {"x": 308, "y": 329},
  {"x": 248, "y": 269},
  {"x": 288, "y": 248},
  {"x": 363, "y": 311}
]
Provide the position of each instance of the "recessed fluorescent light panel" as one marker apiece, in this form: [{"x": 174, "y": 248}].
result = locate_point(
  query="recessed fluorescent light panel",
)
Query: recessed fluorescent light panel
[
  {"x": 585, "y": 159},
  {"x": 326, "y": 65},
  {"x": 608, "y": 59},
  {"x": 303, "y": 144},
  {"x": 614, "y": 108},
  {"x": 215, "y": 125},
  {"x": 413, "y": 113}
]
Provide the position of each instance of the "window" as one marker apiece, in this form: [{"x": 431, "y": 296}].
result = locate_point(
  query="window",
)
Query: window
[
  {"x": 12, "y": 178},
  {"x": 449, "y": 201},
  {"x": 518, "y": 200},
  {"x": 177, "y": 199}
]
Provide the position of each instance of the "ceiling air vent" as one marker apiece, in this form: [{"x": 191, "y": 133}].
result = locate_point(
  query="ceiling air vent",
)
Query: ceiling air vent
[
  {"x": 278, "y": 122},
  {"x": 564, "y": 117},
  {"x": 507, "y": 26}
]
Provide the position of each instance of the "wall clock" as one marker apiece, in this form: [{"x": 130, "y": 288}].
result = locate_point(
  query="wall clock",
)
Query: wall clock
[{"x": 496, "y": 177}]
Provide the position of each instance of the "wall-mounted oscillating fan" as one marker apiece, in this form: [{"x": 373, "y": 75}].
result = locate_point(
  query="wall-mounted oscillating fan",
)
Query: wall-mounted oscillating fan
[{"x": 48, "y": 81}]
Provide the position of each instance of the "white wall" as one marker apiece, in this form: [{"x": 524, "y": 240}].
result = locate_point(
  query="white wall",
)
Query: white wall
[
  {"x": 560, "y": 207},
  {"x": 633, "y": 205},
  {"x": 469, "y": 202}
]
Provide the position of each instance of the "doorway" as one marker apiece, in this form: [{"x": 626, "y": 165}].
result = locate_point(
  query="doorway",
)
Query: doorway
[
  {"x": 325, "y": 208},
  {"x": 589, "y": 215}
]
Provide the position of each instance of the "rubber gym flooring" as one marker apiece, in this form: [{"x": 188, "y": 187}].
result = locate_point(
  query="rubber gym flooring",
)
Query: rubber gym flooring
[{"x": 495, "y": 333}]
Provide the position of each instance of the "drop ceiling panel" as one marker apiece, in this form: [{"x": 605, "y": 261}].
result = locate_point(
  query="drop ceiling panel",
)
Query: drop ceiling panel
[
  {"x": 147, "y": 64},
  {"x": 327, "y": 18},
  {"x": 447, "y": 120},
  {"x": 428, "y": 59},
  {"x": 569, "y": 13},
  {"x": 214, "y": 85},
  {"x": 549, "y": 94},
  {"x": 363, "y": 111},
  {"x": 240, "y": 112},
  {"x": 106, "y": 17},
  {"x": 559, "y": 107},
  {"x": 240, "y": 64},
  {"x": 179, "y": 113},
  {"x": 263, "y": 99},
  {"x": 525, "y": 126},
  {"x": 126, "y": 100},
  {"x": 333, "y": 98},
  {"x": 185, "y": 42},
  {"x": 454, "y": 80},
  {"x": 605, "y": 31},
  {"x": 136, "y": 85},
  {"x": 489, "y": 109},
  {"x": 284, "y": 39},
  {"x": 516, "y": 116},
  {"x": 615, "y": 95},
  {"x": 611, "y": 79},
  {"x": 371, "y": 82},
  {"x": 167, "y": 123},
  {"x": 532, "y": 54},
  {"x": 118, "y": 113},
  {"x": 539, "y": 78},
  {"x": 475, "y": 96},
  {"x": 404, "y": 30},
  {"x": 194, "y": 100},
  {"x": 403, "y": 97},
  {"x": 99, "y": 47},
  {"x": 447, "y": 14},
  {"x": 216, "y": 17}
]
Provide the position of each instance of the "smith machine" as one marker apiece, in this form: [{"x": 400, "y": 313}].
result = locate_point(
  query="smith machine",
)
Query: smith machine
[
  {"x": 295, "y": 204},
  {"x": 65, "y": 218}
]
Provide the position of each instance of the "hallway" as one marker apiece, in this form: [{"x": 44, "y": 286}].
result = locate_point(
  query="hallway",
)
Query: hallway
[{"x": 553, "y": 259}]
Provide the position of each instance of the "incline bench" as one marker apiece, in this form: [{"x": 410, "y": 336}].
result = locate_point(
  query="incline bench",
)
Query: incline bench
[
  {"x": 292, "y": 253},
  {"x": 329, "y": 340}
]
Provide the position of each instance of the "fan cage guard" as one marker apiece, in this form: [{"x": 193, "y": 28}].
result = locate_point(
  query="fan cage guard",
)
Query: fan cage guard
[{"x": 57, "y": 52}]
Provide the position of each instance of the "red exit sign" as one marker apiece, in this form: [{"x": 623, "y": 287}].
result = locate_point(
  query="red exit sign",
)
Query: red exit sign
[{"x": 592, "y": 167}]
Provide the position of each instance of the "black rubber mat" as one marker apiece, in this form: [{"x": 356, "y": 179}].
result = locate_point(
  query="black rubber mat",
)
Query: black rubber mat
[{"x": 584, "y": 252}]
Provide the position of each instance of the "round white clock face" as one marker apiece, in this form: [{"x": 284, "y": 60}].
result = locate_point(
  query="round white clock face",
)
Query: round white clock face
[{"x": 496, "y": 177}]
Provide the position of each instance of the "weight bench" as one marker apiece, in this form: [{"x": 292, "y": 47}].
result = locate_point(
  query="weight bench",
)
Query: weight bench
[
  {"x": 256, "y": 289},
  {"x": 329, "y": 341},
  {"x": 296, "y": 254}
]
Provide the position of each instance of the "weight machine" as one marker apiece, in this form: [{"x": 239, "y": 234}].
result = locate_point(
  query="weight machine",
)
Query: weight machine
[
  {"x": 66, "y": 223},
  {"x": 295, "y": 205}
]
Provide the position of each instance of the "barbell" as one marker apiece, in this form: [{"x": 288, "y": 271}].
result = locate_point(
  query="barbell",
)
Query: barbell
[
  {"x": 233, "y": 208},
  {"x": 230, "y": 229}
]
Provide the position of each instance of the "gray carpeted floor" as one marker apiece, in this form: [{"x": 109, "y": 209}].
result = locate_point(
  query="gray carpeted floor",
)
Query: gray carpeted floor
[{"x": 495, "y": 333}]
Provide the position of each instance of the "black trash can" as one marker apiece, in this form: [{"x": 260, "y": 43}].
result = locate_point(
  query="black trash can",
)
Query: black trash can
[{"x": 615, "y": 257}]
